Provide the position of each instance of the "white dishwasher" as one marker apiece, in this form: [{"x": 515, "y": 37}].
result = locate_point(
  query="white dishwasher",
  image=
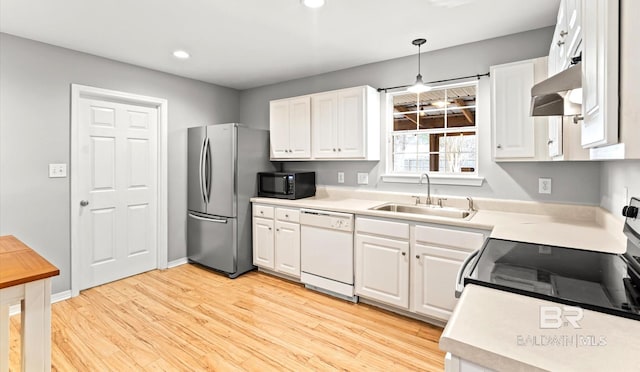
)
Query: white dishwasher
[{"x": 326, "y": 252}]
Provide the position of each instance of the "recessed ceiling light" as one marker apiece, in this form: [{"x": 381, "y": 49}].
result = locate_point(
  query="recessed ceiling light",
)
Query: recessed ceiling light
[
  {"x": 312, "y": 3},
  {"x": 181, "y": 54}
]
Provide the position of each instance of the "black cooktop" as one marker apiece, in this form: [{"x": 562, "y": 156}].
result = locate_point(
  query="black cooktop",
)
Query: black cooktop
[{"x": 597, "y": 281}]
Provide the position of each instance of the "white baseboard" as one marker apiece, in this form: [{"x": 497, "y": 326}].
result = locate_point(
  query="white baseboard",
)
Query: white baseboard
[
  {"x": 55, "y": 297},
  {"x": 178, "y": 262}
]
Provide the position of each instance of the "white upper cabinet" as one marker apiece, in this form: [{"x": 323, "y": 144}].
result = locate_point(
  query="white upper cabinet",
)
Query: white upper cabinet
[
  {"x": 325, "y": 125},
  {"x": 516, "y": 134},
  {"x": 290, "y": 126},
  {"x": 566, "y": 37},
  {"x": 600, "y": 20},
  {"x": 346, "y": 124}
]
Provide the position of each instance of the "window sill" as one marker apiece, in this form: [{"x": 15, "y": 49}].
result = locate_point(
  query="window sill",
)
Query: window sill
[{"x": 435, "y": 179}]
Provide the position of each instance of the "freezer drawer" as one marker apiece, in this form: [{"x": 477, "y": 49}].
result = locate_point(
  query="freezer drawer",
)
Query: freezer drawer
[{"x": 212, "y": 241}]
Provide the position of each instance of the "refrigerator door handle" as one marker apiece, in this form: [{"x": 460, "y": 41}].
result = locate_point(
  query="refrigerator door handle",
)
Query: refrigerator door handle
[
  {"x": 208, "y": 169},
  {"x": 201, "y": 170},
  {"x": 207, "y": 219}
]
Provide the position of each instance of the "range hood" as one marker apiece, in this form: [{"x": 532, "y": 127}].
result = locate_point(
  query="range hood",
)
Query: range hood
[{"x": 551, "y": 97}]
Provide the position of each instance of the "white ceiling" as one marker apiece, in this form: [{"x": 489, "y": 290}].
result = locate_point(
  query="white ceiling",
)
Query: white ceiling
[{"x": 249, "y": 43}]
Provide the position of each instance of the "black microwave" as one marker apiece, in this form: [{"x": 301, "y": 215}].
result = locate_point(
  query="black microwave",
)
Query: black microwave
[{"x": 287, "y": 185}]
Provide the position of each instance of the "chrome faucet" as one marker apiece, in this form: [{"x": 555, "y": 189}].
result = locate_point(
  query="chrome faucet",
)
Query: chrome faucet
[
  {"x": 470, "y": 203},
  {"x": 428, "y": 202}
]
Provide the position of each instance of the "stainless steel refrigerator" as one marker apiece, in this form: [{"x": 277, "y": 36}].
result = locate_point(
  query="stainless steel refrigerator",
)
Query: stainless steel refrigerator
[{"x": 223, "y": 162}]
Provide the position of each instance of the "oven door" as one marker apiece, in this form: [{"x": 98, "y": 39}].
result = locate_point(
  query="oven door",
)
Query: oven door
[{"x": 274, "y": 184}]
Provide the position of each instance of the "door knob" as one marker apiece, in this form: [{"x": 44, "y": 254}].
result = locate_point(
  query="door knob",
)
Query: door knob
[{"x": 84, "y": 203}]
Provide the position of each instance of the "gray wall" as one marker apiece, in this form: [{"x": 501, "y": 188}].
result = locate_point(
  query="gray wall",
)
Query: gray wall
[
  {"x": 35, "y": 131},
  {"x": 572, "y": 182},
  {"x": 620, "y": 180}
]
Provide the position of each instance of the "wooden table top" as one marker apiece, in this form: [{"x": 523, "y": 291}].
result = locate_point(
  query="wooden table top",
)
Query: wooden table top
[{"x": 20, "y": 264}]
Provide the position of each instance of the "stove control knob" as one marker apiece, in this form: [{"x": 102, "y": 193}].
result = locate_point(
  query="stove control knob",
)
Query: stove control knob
[{"x": 630, "y": 211}]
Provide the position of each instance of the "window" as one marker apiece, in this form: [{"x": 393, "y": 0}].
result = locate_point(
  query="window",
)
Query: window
[{"x": 435, "y": 131}]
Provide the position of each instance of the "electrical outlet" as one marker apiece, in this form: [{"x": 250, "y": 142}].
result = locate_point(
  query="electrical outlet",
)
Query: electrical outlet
[
  {"x": 57, "y": 170},
  {"x": 544, "y": 185},
  {"x": 363, "y": 178},
  {"x": 340, "y": 177}
]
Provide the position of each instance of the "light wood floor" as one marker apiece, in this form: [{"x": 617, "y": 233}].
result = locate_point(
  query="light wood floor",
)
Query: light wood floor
[{"x": 187, "y": 318}]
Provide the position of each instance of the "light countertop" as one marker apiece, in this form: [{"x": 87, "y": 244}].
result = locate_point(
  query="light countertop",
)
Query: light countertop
[
  {"x": 502, "y": 330},
  {"x": 551, "y": 224}
]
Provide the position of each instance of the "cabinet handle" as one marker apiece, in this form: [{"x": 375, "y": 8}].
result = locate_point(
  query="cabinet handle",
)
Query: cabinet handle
[
  {"x": 549, "y": 142},
  {"x": 563, "y": 33},
  {"x": 278, "y": 230},
  {"x": 404, "y": 253},
  {"x": 334, "y": 150},
  {"x": 339, "y": 149},
  {"x": 560, "y": 43},
  {"x": 418, "y": 256},
  {"x": 261, "y": 212},
  {"x": 499, "y": 146},
  {"x": 269, "y": 229},
  {"x": 577, "y": 118},
  {"x": 286, "y": 216},
  {"x": 290, "y": 150}
]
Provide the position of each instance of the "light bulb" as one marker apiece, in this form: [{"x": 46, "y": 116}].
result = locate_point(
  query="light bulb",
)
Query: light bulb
[
  {"x": 181, "y": 54},
  {"x": 313, "y": 3}
]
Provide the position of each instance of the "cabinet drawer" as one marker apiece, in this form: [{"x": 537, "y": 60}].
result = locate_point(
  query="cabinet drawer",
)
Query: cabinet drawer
[
  {"x": 386, "y": 228},
  {"x": 287, "y": 214},
  {"x": 262, "y": 211},
  {"x": 452, "y": 238}
]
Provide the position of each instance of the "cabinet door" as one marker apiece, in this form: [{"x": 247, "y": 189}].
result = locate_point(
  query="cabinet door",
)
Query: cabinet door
[
  {"x": 324, "y": 109},
  {"x": 434, "y": 272},
  {"x": 279, "y": 128},
  {"x": 574, "y": 27},
  {"x": 382, "y": 269},
  {"x": 300, "y": 127},
  {"x": 287, "y": 248},
  {"x": 513, "y": 129},
  {"x": 263, "y": 252},
  {"x": 351, "y": 123},
  {"x": 560, "y": 37},
  {"x": 555, "y": 136},
  {"x": 599, "y": 72}
]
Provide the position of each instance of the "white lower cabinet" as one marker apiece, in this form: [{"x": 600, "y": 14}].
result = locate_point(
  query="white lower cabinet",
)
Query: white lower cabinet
[
  {"x": 411, "y": 266},
  {"x": 382, "y": 269},
  {"x": 287, "y": 248},
  {"x": 263, "y": 253},
  {"x": 453, "y": 363},
  {"x": 434, "y": 272},
  {"x": 276, "y": 239}
]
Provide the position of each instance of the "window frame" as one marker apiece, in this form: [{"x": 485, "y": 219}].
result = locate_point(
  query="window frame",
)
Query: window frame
[{"x": 462, "y": 178}]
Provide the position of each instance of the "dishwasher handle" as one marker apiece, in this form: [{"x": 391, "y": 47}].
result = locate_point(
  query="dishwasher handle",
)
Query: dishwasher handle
[{"x": 325, "y": 213}]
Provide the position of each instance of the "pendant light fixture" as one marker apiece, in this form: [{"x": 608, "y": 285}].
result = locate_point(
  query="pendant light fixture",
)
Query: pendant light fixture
[{"x": 419, "y": 86}]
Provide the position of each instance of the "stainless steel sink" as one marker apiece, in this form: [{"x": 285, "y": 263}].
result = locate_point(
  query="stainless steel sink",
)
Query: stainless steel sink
[{"x": 428, "y": 210}]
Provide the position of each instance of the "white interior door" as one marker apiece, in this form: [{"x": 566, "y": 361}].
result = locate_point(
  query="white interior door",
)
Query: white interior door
[{"x": 117, "y": 181}]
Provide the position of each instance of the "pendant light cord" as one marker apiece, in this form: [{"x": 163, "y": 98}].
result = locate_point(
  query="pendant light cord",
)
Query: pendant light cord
[{"x": 419, "y": 74}]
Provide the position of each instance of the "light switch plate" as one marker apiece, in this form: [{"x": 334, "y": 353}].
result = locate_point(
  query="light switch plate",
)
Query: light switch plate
[
  {"x": 340, "y": 177},
  {"x": 363, "y": 178},
  {"x": 544, "y": 185},
  {"x": 57, "y": 170}
]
